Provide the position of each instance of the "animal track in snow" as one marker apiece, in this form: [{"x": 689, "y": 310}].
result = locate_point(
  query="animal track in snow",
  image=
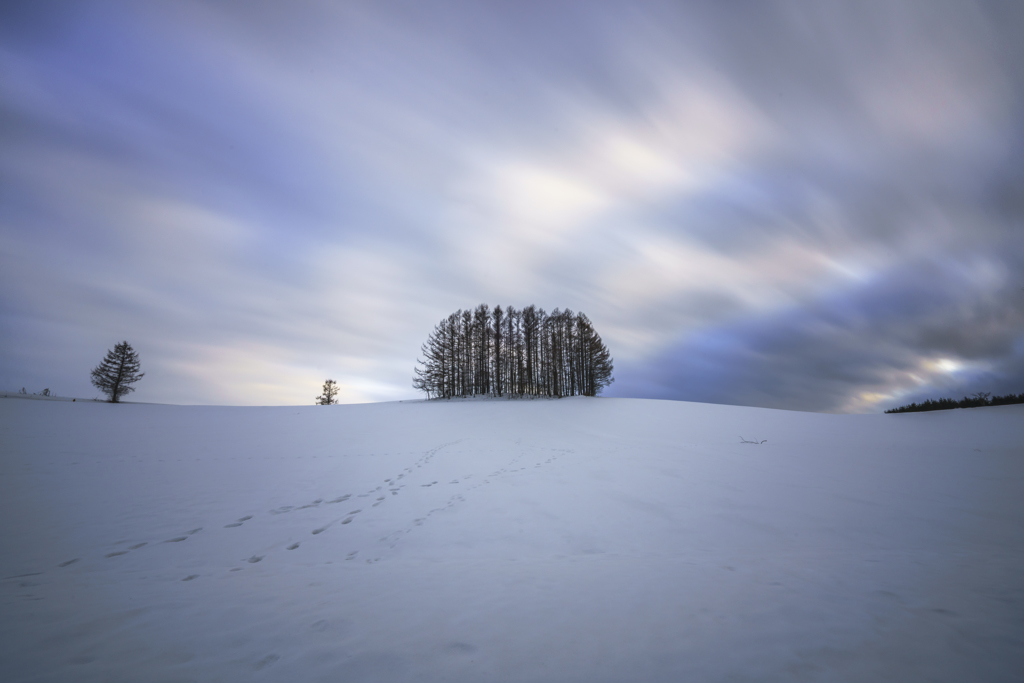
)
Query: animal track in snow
[
  {"x": 232, "y": 525},
  {"x": 136, "y": 546},
  {"x": 69, "y": 562},
  {"x": 293, "y": 546},
  {"x": 255, "y": 558},
  {"x": 178, "y": 539},
  {"x": 190, "y": 577},
  {"x": 319, "y": 531},
  {"x": 115, "y": 554}
]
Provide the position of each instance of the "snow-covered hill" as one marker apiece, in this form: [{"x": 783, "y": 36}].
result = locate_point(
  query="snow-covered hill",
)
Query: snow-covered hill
[{"x": 574, "y": 540}]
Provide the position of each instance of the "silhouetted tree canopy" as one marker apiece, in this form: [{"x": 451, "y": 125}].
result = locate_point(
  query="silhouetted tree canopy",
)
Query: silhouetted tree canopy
[{"x": 510, "y": 352}]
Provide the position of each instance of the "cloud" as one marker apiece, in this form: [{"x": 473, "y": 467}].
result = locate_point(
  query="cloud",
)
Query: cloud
[
  {"x": 787, "y": 206},
  {"x": 924, "y": 327}
]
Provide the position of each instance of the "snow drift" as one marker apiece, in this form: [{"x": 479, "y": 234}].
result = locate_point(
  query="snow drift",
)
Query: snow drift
[{"x": 551, "y": 540}]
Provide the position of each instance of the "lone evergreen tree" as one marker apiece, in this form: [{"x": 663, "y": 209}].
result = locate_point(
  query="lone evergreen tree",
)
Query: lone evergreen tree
[
  {"x": 118, "y": 371},
  {"x": 328, "y": 398}
]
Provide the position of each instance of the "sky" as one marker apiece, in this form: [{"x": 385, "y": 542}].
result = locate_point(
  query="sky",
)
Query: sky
[{"x": 799, "y": 205}]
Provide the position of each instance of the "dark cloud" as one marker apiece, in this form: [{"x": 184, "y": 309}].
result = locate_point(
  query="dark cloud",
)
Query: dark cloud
[{"x": 921, "y": 329}]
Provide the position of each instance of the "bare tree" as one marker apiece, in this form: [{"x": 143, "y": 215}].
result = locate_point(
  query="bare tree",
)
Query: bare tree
[
  {"x": 328, "y": 398},
  {"x": 118, "y": 371},
  {"x": 498, "y": 372}
]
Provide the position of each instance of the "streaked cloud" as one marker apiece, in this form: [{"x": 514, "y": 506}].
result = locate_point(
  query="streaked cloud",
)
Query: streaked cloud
[{"x": 813, "y": 207}]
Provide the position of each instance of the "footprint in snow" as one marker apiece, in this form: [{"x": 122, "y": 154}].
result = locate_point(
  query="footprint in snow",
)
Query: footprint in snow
[
  {"x": 136, "y": 546},
  {"x": 232, "y": 525},
  {"x": 254, "y": 559},
  {"x": 352, "y": 555},
  {"x": 190, "y": 577},
  {"x": 347, "y": 520},
  {"x": 319, "y": 531},
  {"x": 115, "y": 554},
  {"x": 245, "y": 519},
  {"x": 342, "y": 499},
  {"x": 69, "y": 562},
  {"x": 179, "y": 539},
  {"x": 293, "y": 546}
]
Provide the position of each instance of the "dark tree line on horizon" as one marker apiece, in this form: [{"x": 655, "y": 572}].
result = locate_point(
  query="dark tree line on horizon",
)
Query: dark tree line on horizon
[
  {"x": 510, "y": 352},
  {"x": 979, "y": 400}
]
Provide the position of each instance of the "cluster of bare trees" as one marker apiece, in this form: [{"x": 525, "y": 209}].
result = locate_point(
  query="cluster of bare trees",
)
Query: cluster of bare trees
[{"x": 510, "y": 352}]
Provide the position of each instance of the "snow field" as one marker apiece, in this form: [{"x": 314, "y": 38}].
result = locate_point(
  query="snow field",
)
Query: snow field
[{"x": 571, "y": 540}]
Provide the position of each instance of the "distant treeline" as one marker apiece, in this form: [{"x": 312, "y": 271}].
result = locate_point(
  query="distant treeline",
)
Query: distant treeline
[
  {"x": 975, "y": 401},
  {"x": 503, "y": 352}
]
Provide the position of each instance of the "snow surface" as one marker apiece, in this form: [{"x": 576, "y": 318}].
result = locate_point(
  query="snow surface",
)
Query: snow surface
[{"x": 574, "y": 540}]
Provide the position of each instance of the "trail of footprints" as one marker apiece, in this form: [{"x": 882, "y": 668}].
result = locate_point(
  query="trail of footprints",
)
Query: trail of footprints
[
  {"x": 118, "y": 553},
  {"x": 392, "y": 485}
]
